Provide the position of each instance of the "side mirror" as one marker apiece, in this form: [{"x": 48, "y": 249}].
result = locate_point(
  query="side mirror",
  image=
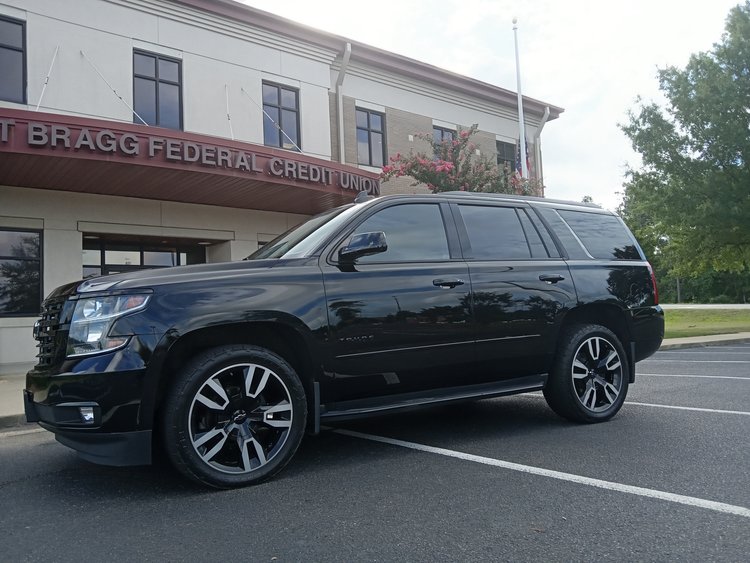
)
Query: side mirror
[{"x": 363, "y": 244}]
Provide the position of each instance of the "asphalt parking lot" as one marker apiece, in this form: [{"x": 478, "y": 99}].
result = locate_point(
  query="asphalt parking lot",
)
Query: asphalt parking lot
[{"x": 496, "y": 480}]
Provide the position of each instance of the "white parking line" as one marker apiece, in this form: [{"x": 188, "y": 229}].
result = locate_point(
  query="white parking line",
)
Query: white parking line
[
  {"x": 570, "y": 477},
  {"x": 696, "y": 409},
  {"x": 696, "y": 376},
  {"x": 696, "y": 361},
  {"x": 537, "y": 395},
  {"x": 701, "y": 352}
]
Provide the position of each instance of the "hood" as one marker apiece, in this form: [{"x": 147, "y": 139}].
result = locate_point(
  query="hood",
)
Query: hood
[{"x": 178, "y": 274}]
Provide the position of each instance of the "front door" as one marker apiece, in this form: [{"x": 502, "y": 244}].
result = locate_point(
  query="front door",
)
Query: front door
[{"x": 400, "y": 320}]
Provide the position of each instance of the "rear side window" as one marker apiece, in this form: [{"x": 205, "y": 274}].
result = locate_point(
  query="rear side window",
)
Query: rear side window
[
  {"x": 604, "y": 236},
  {"x": 414, "y": 232},
  {"x": 497, "y": 233}
]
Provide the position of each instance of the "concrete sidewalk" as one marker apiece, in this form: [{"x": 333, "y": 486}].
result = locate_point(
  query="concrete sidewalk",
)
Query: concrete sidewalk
[{"x": 11, "y": 386}]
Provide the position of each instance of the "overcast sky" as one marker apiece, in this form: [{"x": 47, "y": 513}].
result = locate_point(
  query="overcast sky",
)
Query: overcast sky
[{"x": 590, "y": 57}]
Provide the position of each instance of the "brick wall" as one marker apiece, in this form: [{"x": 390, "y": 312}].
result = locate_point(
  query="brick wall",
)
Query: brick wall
[
  {"x": 399, "y": 126},
  {"x": 333, "y": 113}
]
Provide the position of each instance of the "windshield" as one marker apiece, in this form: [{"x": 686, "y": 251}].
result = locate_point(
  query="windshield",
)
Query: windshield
[{"x": 302, "y": 240}]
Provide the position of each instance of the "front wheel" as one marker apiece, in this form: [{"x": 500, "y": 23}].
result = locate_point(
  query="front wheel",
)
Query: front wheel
[
  {"x": 235, "y": 416},
  {"x": 589, "y": 379}
]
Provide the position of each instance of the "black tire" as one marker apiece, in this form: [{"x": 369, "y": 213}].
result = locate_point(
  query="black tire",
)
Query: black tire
[
  {"x": 589, "y": 379},
  {"x": 234, "y": 417}
]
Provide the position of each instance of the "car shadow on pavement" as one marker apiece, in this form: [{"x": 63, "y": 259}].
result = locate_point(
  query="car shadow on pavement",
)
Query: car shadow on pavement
[{"x": 329, "y": 456}]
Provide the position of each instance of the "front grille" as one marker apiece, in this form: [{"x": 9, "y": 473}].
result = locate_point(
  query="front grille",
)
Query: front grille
[{"x": 46, "y": 330}]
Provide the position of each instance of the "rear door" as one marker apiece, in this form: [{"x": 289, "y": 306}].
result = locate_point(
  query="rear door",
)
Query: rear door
[{"x": 520, "y": 286}]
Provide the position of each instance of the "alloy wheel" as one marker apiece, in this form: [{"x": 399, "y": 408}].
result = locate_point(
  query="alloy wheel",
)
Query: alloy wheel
[
  {"x": 597, "y": 374},
  {"x": 240, "y": 418}
]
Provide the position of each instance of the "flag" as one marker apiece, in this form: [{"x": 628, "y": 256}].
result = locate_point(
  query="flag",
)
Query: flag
[{"x": 519, "y": 168}]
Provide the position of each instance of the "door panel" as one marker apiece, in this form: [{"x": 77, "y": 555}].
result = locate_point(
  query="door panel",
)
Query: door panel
[
  {"x": 519, "y": 288},
  {"x": 517, "y": 314},
  {"x": 400, "y": 320},
  {"x": 393, "y": 318}
]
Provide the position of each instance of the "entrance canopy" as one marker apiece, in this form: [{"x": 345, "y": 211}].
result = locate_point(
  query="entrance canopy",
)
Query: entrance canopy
[{"x": 60, "y": 152}]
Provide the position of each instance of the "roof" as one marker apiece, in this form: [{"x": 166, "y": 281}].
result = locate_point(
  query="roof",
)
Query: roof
[{"x": 372, "y": 56}]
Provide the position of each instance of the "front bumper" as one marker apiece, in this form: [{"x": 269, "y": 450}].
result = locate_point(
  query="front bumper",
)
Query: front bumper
[
  {"x": 97, "y": 413},
  {"x": 70, "y": 429}
]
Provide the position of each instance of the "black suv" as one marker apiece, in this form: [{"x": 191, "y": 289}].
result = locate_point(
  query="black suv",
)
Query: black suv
[{"x": 387, "y": 304}]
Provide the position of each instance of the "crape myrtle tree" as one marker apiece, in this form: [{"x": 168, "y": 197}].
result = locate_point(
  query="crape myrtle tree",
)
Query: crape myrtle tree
[
  {"x": 454, "y": 165},
  {"x": 689, "y": 203}
]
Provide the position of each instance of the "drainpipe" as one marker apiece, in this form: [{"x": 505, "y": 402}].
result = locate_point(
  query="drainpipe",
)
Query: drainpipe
[
  {"x": 538, "y": 147},
  {"x": 340, "y": 100}
]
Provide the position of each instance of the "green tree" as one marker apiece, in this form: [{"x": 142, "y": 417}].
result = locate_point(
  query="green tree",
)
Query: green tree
[
  {"x": 455, "y": 166},
  {"x": 689, "y": 203}
]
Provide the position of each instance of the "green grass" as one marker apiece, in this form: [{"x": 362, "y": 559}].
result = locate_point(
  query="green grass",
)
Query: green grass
[{"x": 702, "y": 322}]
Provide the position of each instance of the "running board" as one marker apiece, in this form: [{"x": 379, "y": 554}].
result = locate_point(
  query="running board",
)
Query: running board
[{"x": 389, "y": 403}]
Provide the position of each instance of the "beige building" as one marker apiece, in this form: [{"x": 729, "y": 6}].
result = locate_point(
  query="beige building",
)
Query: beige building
[{"x": 149, "y": 133}]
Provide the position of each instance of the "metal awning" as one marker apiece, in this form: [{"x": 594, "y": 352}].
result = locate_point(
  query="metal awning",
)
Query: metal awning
[{"x": 59, "y": 152}]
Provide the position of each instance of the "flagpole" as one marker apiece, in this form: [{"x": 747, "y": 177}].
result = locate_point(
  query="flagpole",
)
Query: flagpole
[{"x": 521, "y": 124}]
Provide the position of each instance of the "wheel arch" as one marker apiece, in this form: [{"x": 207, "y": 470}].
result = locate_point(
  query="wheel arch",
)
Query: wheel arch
[
  {"x": 610, "y": 316},
  {"x": 281, "y": 338}
]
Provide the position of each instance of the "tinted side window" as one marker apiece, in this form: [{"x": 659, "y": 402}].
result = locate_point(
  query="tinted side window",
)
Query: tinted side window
[
  {"x": 571, "y": 245},
  {"x": 604, "y": 236},
  {"x": 539, "y": 249},
  {"x": 495, "y": 233},
  {"x": 414, "y": 232}
]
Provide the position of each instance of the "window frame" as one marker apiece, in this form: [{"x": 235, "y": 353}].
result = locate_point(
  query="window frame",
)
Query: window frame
[
  {"x": 158, "y": 81},
  {"x": 502, "y": 161},
  {"x": 588, "y": 243},
  {"x": 467, "y": 247},
  {"x": 370, "y": 131},
  {"x": 23, "y": 50},
  {"x": 454, "y": 250},
  {"x": 540, "y": 227},
  {"x": 279, "y": 108},
  {"x": 40, "y": 260},
  {"x": 104, "y": 243},
  {"x": 443, "y": 131}
]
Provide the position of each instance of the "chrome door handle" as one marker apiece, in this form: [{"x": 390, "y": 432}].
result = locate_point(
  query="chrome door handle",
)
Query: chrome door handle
[{"x": 551, "y": 278}]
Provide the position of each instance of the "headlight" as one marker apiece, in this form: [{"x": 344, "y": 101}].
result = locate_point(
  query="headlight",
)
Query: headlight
[{"x": 92, "y": 319}]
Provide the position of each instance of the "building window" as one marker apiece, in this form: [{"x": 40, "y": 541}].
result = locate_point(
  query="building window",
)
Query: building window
[
  {"x": 281, "y": 117},
  {"x": 12, "y": 61},
  {"x": 506, "y": 155},
  {"x": 20, "y": 273},
  {"x": 103, "y": 256},
  {"x": 157, "y": 90},
  {"x": 440, "y": 134},
  {"x": 370, "y": 138}
]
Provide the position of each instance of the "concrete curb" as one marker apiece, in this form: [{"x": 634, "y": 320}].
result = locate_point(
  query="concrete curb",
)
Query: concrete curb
[
  {"x": 701, "y": 341},
  {"x": 16, "y": 421}
]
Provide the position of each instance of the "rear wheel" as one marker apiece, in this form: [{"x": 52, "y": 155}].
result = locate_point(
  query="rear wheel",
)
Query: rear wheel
[
  {"x": 589, "y": 380},
  {"x": 235, "y": 417}
]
